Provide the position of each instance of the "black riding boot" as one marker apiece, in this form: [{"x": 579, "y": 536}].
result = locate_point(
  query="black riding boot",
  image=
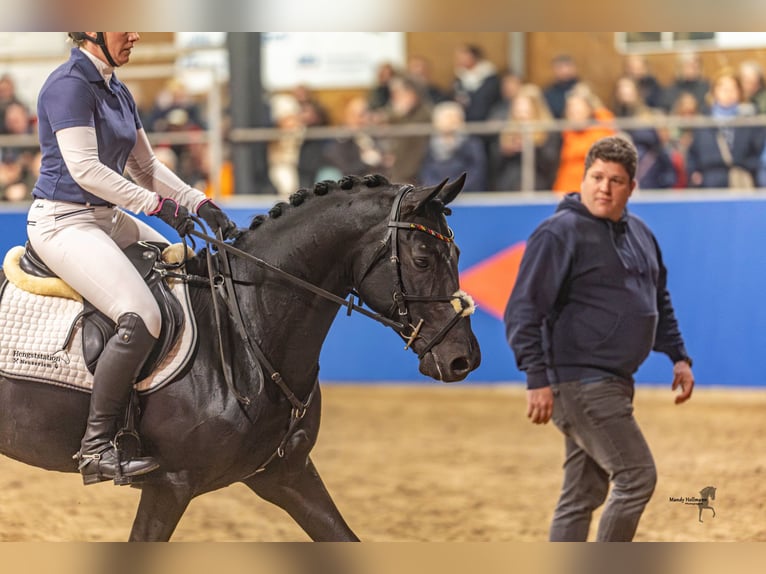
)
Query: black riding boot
[{"x": 116, "y": 372}]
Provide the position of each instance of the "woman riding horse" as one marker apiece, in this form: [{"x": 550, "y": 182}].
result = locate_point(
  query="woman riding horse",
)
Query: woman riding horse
[{"x": 89, "y": 133}]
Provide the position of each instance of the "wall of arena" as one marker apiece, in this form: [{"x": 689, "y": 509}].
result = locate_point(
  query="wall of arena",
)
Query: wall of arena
[{"x": 713, "y": 246}]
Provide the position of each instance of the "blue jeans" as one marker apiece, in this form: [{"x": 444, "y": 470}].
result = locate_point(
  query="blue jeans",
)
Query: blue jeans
[{"x": 603, "y": 444}]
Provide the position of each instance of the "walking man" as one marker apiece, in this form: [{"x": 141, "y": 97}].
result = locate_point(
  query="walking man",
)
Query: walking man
[{"x": 589, "y": 304}]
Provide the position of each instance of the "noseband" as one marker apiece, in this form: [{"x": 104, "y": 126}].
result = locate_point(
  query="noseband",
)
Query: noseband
[{"x": 461, "y": 302}]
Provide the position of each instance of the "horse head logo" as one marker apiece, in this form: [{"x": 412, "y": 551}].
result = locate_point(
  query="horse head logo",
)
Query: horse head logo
[
  {"x": 706, "y": 495},
  {"x": 62, "y": 356}
]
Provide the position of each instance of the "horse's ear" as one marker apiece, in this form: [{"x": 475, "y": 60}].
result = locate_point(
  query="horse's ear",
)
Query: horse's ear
[
  {"x": 419, "y": 197},
  {"x": 450, "y": 191}
]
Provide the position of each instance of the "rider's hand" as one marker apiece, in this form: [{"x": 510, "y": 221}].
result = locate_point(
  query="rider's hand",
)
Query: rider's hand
[
  {"x": 177, "y": 216},
  {"x": 217, "y": 219}
]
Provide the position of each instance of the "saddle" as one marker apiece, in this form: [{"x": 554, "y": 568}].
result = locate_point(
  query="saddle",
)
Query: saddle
[{"x": 97, "y": 328}]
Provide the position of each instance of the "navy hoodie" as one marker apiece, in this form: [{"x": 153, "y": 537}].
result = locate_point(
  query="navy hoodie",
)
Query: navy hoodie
[{"x": 590, "y": 299}]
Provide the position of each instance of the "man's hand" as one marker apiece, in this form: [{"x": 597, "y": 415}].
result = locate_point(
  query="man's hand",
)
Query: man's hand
[
  {"x": 683, "y": 378},
  {"x": 540, "y": 405}
]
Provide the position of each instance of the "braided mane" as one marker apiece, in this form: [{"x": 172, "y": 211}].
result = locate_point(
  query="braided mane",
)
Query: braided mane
[{"x": 320, "y": 188}]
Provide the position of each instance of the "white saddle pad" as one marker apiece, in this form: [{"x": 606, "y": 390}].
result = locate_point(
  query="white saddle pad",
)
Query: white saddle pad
[{"x": 33, "y": 330}]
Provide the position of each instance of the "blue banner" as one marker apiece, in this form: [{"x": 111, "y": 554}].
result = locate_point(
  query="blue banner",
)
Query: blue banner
[{"x": 713, "y": 249}]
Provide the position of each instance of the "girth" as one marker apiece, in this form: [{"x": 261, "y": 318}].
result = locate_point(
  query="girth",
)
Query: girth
[{"x": 97, "y": 328}]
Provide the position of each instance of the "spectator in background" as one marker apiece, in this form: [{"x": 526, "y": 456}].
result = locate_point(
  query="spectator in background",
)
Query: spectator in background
[
  {"x": 715, "y": 150},
  {"x": 510, "y": 84},
  {"x": 452, "y": 152},
  {"x": 637, "y": 68},
  {"x": 380, "y": 94},
  {"x": 689, "y": 79},
  {"x": 17, "y": 175},
  {"x": 680, "y": 138},
  {"x": 310, "y": 157},
  {"x": 167, "y": 157},
  {"x": 174, "y": 109},
  {"x": 7, "y": 94},
  {"x": 16, "y": 185},
  {"x": 312, "y": 112},
  {"x": 404, "y": 154},
  {"x": 358, "y": 153},
  {"x": 588, "y": 115},
  {"x": 565, "y": 77},
  {"x": 753, "y": 85},
  {"x": 419, "y": 70},
  {"x": 506, "y": 152},
  {"x": 284, "y": 152},
  {"x": 477, "y": 85},
  {"x": 142, "y": 107},
  {"x": 655, "y": 168}
]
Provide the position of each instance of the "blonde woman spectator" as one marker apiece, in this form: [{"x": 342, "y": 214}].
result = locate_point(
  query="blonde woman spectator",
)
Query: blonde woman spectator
[
  {"x": 588, "y": 116},
  {"x": 452, "y": 152},
  {"x": 283, "y": 153},
  {"x": 655, "y": 169},
  {"x": 506, "y": 150},
  {"x": 715, "y": 150},
  {"x": 753, "y": 85}
]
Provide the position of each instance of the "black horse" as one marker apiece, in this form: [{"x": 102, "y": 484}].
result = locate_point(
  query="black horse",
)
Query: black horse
[{"x": 221, "y": 422}]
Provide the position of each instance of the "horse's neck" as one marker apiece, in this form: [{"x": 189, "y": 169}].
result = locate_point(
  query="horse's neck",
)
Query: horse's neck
[{"x": 287, "y": 321}]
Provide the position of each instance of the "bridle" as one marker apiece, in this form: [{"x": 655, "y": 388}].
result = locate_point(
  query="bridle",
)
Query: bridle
[
  {"x": 461, "y": 302},
  {"x": 221, "y": 284}
]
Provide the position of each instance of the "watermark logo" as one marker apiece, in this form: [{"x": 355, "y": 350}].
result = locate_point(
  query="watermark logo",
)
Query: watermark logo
[{"x": 702, "y": 502}]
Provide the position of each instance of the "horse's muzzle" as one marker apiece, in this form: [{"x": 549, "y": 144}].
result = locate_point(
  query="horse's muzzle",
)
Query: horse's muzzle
[{"x": 451, "y": 362}]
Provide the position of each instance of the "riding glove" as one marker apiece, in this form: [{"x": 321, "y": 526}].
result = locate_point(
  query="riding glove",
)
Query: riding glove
[
  {"x": 175, "y": 215},
  {"x": 217, "y": 219}
]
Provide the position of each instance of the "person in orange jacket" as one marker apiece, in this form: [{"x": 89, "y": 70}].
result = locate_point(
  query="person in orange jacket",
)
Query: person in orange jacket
[{"x": 583, "y": 107}]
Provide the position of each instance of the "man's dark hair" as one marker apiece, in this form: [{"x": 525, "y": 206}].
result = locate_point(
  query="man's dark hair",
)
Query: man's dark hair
[{"x": 614, "y": 149}]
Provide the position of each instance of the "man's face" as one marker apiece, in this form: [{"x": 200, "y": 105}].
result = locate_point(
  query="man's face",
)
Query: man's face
[{"x": 605, "y": 189}]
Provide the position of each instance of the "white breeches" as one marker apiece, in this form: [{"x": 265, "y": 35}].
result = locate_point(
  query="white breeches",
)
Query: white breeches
[{"x": 82, "y": 245}]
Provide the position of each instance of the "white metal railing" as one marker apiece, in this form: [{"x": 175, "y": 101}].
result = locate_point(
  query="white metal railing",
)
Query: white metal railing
[{"x": 215, "y": 137}]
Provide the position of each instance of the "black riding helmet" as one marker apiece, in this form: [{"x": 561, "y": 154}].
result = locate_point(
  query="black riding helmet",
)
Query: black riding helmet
[{"x": 99, "y": 40}]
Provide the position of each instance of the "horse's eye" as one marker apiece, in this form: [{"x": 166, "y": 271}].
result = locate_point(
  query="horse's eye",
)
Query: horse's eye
[{"x": 422, "y": 262}]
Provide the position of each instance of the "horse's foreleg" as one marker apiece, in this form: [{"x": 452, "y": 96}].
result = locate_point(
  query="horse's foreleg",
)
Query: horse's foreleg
[
  {"x": 159, "y": 511},
  {"x": 303, "y": 496}
]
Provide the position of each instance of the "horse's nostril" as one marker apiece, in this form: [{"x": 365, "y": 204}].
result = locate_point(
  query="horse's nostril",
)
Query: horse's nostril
[{"x": 460, "y": 365}]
